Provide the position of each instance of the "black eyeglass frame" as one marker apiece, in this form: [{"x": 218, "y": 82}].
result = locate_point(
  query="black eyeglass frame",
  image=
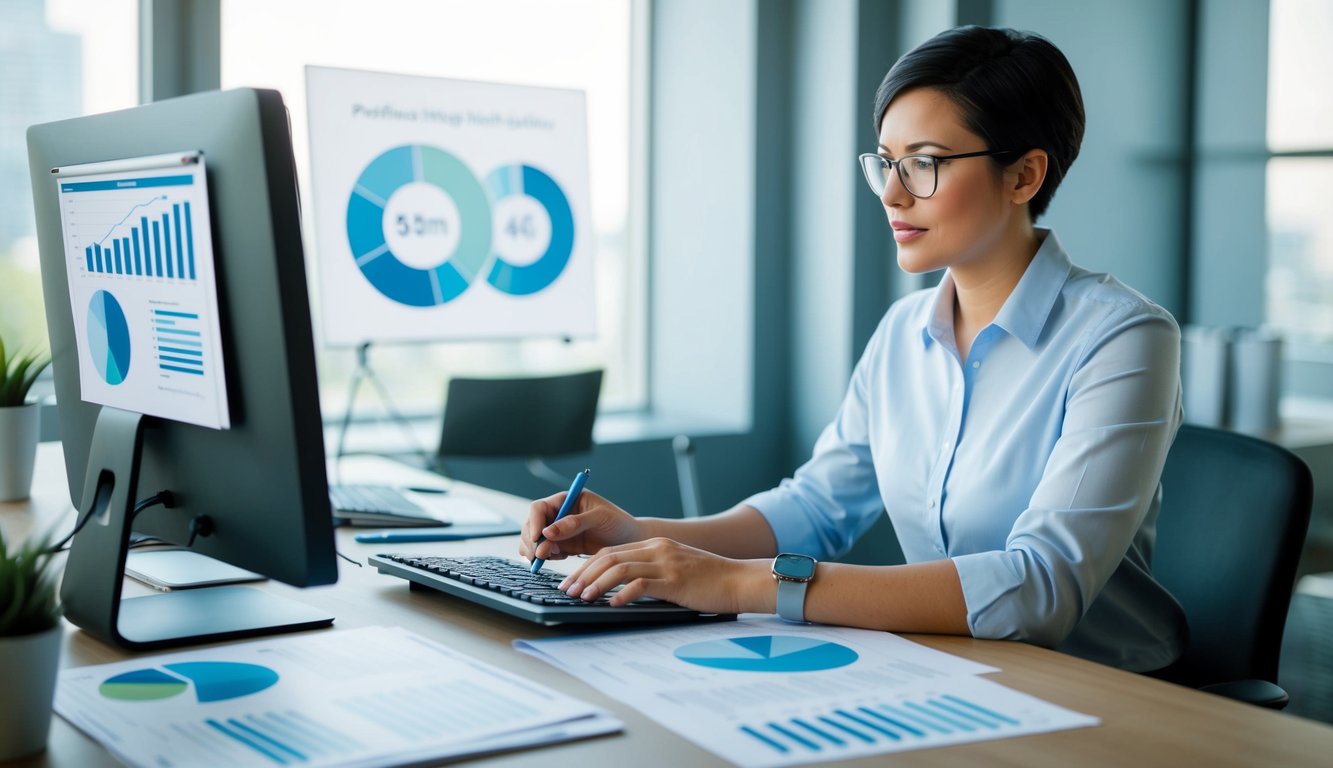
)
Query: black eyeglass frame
[{"x": 897, "y": 165}]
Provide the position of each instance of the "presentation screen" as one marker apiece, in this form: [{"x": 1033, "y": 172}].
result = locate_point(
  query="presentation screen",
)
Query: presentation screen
[
  {"x": 139, "y": 246},
  {"x": 448, "y": 209}
]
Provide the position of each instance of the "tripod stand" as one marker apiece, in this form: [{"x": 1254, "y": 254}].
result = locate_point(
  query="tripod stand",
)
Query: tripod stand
[{"x": 364, "y": 372}]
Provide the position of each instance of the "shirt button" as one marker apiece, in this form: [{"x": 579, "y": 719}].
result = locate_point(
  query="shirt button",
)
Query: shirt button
[
  {"x": 932, "y": 504},
  {"x": 976, "y": 363}
]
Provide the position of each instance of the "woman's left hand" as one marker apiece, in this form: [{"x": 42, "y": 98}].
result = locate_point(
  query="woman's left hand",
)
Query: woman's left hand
[{"x": 668, "y": 570}]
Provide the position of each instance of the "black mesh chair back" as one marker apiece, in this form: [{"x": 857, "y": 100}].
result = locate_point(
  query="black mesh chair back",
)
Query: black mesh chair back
[
  {"x": 540, "y": 416},
  {"x": 1233, "y": 521}
]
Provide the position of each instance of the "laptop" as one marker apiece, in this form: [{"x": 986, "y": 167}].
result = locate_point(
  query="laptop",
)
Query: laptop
[
  {"x": 508, "y": 586},
  {"x": 383, "y": 506}
]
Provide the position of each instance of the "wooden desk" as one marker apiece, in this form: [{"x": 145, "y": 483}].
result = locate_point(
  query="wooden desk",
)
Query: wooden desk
[{"x": 1145, "y": 722}]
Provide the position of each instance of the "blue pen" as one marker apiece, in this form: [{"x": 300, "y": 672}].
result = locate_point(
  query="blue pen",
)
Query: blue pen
[
  {"x": 459, "y": 533},
  {"x": 571, "y": 498}
]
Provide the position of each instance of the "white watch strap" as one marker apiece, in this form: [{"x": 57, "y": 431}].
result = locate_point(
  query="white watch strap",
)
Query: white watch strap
[{"x": 791, "y": 600}]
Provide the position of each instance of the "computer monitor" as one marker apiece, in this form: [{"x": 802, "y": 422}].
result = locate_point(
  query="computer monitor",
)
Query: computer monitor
[{"x": 247, "y": 478}]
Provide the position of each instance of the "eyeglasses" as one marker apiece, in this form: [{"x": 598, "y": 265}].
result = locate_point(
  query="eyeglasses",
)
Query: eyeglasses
[{"x": 920, "y": 174}]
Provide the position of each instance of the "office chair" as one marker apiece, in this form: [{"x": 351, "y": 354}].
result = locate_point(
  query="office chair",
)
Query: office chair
[
  {"x": 530, "y": 417},
  {"x": 687, "y": 476},
  {"x": 1234, "y": 515}
]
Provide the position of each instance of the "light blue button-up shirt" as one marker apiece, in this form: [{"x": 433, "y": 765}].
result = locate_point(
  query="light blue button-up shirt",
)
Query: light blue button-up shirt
[{"x": 1034, "y": 464}]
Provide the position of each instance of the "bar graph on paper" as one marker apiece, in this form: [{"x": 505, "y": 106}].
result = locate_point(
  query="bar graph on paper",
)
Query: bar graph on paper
[
  {"x": 140, "y": 227},
  {"x": 764, "y": 694},
  {"x": 953, "y": 712},
  {"x": 179, "y": 345},
  {"x": 368, "y": 696}
]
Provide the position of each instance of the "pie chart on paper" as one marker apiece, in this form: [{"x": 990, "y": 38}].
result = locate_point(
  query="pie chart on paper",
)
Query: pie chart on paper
[
  {"x": 211, "y": 680},
  {"x": 108, "y": 338},
  {"x": 768, "y": 653}
]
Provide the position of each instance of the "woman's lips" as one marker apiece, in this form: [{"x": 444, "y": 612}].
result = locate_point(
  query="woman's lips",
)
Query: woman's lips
[{"x": 907, "y": 234}]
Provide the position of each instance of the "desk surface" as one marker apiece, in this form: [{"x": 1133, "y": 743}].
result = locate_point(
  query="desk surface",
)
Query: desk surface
[{"x": 1144, "y": 721}]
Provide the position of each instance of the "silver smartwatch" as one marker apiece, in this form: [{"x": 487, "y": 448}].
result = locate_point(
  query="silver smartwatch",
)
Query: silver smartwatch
[{"x": 793, "y": 574}]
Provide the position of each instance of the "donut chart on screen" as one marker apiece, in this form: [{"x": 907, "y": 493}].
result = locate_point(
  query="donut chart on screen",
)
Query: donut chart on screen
[
  {"x": 527, "y": 279},
  {"x": 108, "y": 338},
  {"x": 401, "y": 282}
]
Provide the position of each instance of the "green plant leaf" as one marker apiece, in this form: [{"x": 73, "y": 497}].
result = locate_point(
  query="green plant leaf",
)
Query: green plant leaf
[
  {"x": 28, "y": 588},
  {"x": 9, "y": 395},
  {"x": 25, "y": 383},
  {"x": 17, "y": 375}
]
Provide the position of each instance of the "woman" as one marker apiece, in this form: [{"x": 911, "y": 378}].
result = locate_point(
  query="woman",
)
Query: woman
[{"x": 1013, "y": 421}]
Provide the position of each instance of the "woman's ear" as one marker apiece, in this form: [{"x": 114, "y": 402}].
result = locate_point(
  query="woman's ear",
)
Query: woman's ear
[{"x": 1023, "y": 178}]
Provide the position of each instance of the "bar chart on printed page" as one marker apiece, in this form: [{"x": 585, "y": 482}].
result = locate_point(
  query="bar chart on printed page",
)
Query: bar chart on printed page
[
  {"x": 762, "y": 692},
  {"x": 954, "y": 711},
  {"x": 367, "y": 696}
]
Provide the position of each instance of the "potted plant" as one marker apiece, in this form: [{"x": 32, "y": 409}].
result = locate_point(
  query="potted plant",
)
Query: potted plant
[
  {"x": 30, "y": 633},
  {"x": 18, "y": 422}
]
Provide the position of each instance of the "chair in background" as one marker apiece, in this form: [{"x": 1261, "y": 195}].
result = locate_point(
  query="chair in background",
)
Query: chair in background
[
  {"x": 531, "y": 417},
  {"x": 1234, "y": 515},
  {"x": 687, "y": 476}
]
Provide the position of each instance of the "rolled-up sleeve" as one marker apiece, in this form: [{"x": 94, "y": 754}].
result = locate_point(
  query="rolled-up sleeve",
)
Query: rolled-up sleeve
[
  {"x": 834, "y": 497},
  {"x": 1099, "y": 483}
]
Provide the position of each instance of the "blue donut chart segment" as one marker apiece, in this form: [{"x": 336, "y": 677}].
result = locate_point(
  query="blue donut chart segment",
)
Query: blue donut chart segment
[
  {"x": 394, "y": 168},
  {"x": 528, "y": 279},
  {"x": 108, "y": 338}
]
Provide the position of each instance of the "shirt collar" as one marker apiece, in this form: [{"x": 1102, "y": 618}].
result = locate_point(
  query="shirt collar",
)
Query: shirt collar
[
  {"x": 1025, "y": 312},
  {"x": 939, "y": 323}
]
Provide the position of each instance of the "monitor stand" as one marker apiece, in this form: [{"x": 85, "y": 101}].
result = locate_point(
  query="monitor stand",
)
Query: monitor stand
[{"x": 95, "y": 570}]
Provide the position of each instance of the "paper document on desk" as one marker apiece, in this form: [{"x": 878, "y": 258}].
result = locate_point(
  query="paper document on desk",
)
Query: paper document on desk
[
  {"x": 375, "y": 696},
  {"x": 763, "y": 692}
]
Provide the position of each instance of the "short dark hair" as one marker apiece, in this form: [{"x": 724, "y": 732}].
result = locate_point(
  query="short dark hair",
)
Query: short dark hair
[{"x": 1014, "y": 89}]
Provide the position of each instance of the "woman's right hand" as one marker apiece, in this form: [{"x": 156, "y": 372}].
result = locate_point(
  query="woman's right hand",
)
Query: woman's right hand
[{"x": 594, "y": 523}]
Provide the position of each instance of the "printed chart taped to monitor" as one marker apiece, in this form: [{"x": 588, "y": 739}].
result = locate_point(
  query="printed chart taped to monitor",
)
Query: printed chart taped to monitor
[
  {"x": 449, "y": 209},
  {"x": 143, "y": 286}
]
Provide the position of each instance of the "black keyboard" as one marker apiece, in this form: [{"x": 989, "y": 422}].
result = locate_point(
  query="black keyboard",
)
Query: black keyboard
[
  {"x": 380, "y": 506},
  {"x": 509, "y": 586}
]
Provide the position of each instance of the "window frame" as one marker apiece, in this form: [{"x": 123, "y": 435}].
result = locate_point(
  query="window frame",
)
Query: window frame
[{"x": 1307, "y": 357}]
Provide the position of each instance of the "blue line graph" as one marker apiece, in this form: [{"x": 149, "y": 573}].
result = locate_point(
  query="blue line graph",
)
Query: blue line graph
[
  {"x": 115, "y": 226},
  {"x": 148, "y": 237}
]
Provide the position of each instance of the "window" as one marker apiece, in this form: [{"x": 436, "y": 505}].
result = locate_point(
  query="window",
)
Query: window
[
  {"x": 58, "y": 59},
  {"x": 581, "y": 44},
  {"x": 1299, "y": 182}
]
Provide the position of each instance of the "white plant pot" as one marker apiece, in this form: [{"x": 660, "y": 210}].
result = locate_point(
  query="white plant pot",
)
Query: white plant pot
[
  {"x": 18, "y": 450},
  {"x": 28, "y": 667}
]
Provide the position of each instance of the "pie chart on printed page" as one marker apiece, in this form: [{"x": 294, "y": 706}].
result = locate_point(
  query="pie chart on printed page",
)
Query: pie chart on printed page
[
  {"x": 211, "y": 680},
  {"x": 108, "y": 338},
  {"x": 768, "y": 653}
]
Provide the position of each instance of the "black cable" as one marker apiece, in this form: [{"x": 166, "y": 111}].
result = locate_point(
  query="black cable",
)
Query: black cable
[
  {"x": 165, "y": 498},
  {"x": 200, "y": 525}
]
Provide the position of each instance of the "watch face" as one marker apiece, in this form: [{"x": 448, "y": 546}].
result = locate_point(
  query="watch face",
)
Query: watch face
[{"x": 794, "y": 566}]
